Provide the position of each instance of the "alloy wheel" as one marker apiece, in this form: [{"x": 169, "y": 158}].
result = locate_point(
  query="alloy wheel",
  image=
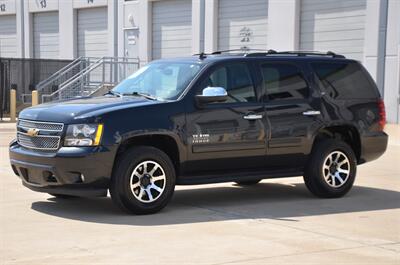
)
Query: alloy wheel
[
  {"x": 148, "y": 181},
  {"x": 336, "y": 169}
]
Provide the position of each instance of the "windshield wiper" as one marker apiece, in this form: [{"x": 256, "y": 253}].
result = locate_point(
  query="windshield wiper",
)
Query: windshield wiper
[
  {"x": 145, "y": 95},
  {"x": 114, "y": 93}
]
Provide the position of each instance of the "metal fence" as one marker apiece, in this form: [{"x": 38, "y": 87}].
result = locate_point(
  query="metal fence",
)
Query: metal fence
[
  {"x": 23, "y": 75},
  {"x": 98, "y": 76}
]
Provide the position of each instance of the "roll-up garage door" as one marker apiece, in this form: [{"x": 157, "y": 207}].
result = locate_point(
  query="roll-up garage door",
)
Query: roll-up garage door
[
  {"x": 8, "y": 36},
  {"x": 242, "y": 24},
  {"x": 333, "y": 25},
  {"x": 45, "y": 35},
  {"x": 92, "y": 32},
  {"x": 172, "y": 28}
]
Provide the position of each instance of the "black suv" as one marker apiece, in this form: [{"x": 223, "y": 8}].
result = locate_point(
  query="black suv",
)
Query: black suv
[{"x": 205, "y": 119}]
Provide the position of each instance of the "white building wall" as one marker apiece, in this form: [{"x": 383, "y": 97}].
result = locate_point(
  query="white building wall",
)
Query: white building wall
[
  {"x": 8, "y": 35},
  {"x": 242, "y": 24},
  {"x": 13, "y": 9},
  {"x": 92, "y": 32},
  {"x": 67, "y": 22},
  {"x": 46, "y": 35},
  {"x": 391, "y": 91},
  {"x": 171, "y": 34},
  {"x": 333, "y": 25},
  {"x": 283, "y": 30}
]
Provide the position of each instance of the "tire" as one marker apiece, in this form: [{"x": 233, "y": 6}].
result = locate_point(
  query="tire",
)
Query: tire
[
  {"x": 62, "y": 196},
  {"x": 132, "y": 180},
  {"x": 248, "y": 182},
  {"x": 326, "y": 178}
]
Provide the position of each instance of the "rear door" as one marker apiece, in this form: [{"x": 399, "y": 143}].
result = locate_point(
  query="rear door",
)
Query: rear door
[
  {"x": 229, "y": 135},
  {"x": 292, "y": 112}
]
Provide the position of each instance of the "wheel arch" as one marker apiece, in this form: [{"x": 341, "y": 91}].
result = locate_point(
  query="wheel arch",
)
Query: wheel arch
[
  {"x": 166, "y": 142},
  {"x": 344, "y": 132}
]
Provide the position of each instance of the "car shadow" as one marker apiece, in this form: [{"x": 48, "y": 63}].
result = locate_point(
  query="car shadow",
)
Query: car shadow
[{"x": 262, "y": 201}]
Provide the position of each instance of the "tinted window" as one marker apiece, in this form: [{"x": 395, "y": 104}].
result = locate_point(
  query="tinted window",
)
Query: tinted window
[
  {"x": 344, "y": 80},
  {"x": 236, "y": 79},
  {"x": 283, "y": 81}
]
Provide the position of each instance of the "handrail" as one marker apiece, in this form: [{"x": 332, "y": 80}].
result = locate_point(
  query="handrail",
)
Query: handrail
[
  {"x": 50, "y": 79},
  {"x": 93, "y": 65},
  {"x": 84, "y": 72},
  {"x": 78, "y": 76},
  {"x": 82, "y": 81}
]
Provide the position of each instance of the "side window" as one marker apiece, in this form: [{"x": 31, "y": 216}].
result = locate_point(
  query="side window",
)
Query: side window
[
  {"x": 236, "y": 79},
  {"x": 283, "y": 81},
  {"x": 344, "y": 80}
]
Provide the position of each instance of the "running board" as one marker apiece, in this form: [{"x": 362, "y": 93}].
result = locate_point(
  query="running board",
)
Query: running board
[{"x": 233, "y": 177}]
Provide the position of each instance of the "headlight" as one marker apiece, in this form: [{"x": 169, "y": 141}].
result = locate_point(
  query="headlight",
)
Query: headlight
[{"x": 83, "y": 135}]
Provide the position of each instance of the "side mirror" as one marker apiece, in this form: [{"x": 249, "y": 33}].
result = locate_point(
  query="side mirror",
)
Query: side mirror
[{"x": 212, "y": 94}]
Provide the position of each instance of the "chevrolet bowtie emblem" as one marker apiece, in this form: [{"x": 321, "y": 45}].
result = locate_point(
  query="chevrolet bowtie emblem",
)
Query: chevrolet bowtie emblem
[{"x": 33, "y": 132}]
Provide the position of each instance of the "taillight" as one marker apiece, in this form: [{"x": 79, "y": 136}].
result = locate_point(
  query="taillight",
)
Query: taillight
[{"x": 382, "y": 114}]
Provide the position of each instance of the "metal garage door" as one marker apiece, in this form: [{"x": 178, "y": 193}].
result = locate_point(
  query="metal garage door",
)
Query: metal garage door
[
  {"x": 8, "y": 36},
  {"x": 92, "y": 32},
  {"x": 335, "y": 25},
  {"x": 45, "y": 35},
  {"x": 242, "y": 24},
  {"x": 172, "y": 28}
]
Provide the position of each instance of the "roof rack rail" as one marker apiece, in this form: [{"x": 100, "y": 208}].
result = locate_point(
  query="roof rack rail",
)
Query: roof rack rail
[
  {"x": 242, "y": 50},
  {"x": 297, "y": 53},
  {"x": 261, "y": 52}
]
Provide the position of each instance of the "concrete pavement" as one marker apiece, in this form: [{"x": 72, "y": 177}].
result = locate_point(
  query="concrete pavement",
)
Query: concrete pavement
[{"x": 274, "y": 222}]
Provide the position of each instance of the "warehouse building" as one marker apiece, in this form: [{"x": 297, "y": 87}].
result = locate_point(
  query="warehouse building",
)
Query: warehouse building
[{"x": 365, "y": 30}]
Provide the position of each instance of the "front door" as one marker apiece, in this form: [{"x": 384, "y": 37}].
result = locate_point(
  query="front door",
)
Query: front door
[{"x": 230, "y": 135}]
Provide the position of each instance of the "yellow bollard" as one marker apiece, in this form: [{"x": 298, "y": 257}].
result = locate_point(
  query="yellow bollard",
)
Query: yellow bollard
[
  {"x": 13, "y": 105},
  {"x": 35, "y": 98}
]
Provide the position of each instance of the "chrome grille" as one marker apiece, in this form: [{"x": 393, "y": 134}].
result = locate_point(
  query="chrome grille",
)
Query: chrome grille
[
  {"x": 47, "y": 126},
  {"x": 47, "y": 138},
  {"x": 38, "y": 142}
]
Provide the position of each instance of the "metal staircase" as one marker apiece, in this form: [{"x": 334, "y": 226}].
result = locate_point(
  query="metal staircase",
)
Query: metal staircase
[{"x": 86, "y": 76}]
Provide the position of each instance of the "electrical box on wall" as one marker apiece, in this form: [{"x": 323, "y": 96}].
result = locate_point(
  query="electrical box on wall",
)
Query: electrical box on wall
[{"x": 131, "y": 29}]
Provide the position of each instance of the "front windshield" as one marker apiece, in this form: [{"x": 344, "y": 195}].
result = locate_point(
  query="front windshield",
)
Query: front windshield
[{"x": 162, "y": 80}]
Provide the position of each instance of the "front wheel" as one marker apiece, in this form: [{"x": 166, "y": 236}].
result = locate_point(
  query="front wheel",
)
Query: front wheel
[
  {"x": 331, "y": 171},
  {"x": 143, "y": 181}
]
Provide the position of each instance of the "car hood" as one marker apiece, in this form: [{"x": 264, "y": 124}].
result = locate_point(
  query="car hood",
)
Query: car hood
[{"x": 70, "y": 110}]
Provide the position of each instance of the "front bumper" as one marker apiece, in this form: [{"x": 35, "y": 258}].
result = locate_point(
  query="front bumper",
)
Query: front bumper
[{"x": 79, "y": 171}]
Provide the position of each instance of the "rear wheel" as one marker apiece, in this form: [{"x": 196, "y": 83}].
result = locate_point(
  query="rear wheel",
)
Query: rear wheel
[
  {"x": 248, "y": 183},
  {"x": 143, "y": 181},
  {"x": 331, "y": 171}
]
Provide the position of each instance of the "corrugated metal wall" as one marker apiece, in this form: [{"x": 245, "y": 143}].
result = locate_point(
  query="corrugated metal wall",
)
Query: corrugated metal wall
[
  {"x": 92, "y": 32},
  {"x": 8, "y": 37},
  {"x": 45, "y": 35},
  {"x": 335, "y": 25},
  {"x": 171, "y": 28},
  {"x": 242, "y": 24}
]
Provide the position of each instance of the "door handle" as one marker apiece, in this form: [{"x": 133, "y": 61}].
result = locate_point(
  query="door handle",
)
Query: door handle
[
  {"x": 311, "y": 112},
  {"x": 253, "y": 117}
]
